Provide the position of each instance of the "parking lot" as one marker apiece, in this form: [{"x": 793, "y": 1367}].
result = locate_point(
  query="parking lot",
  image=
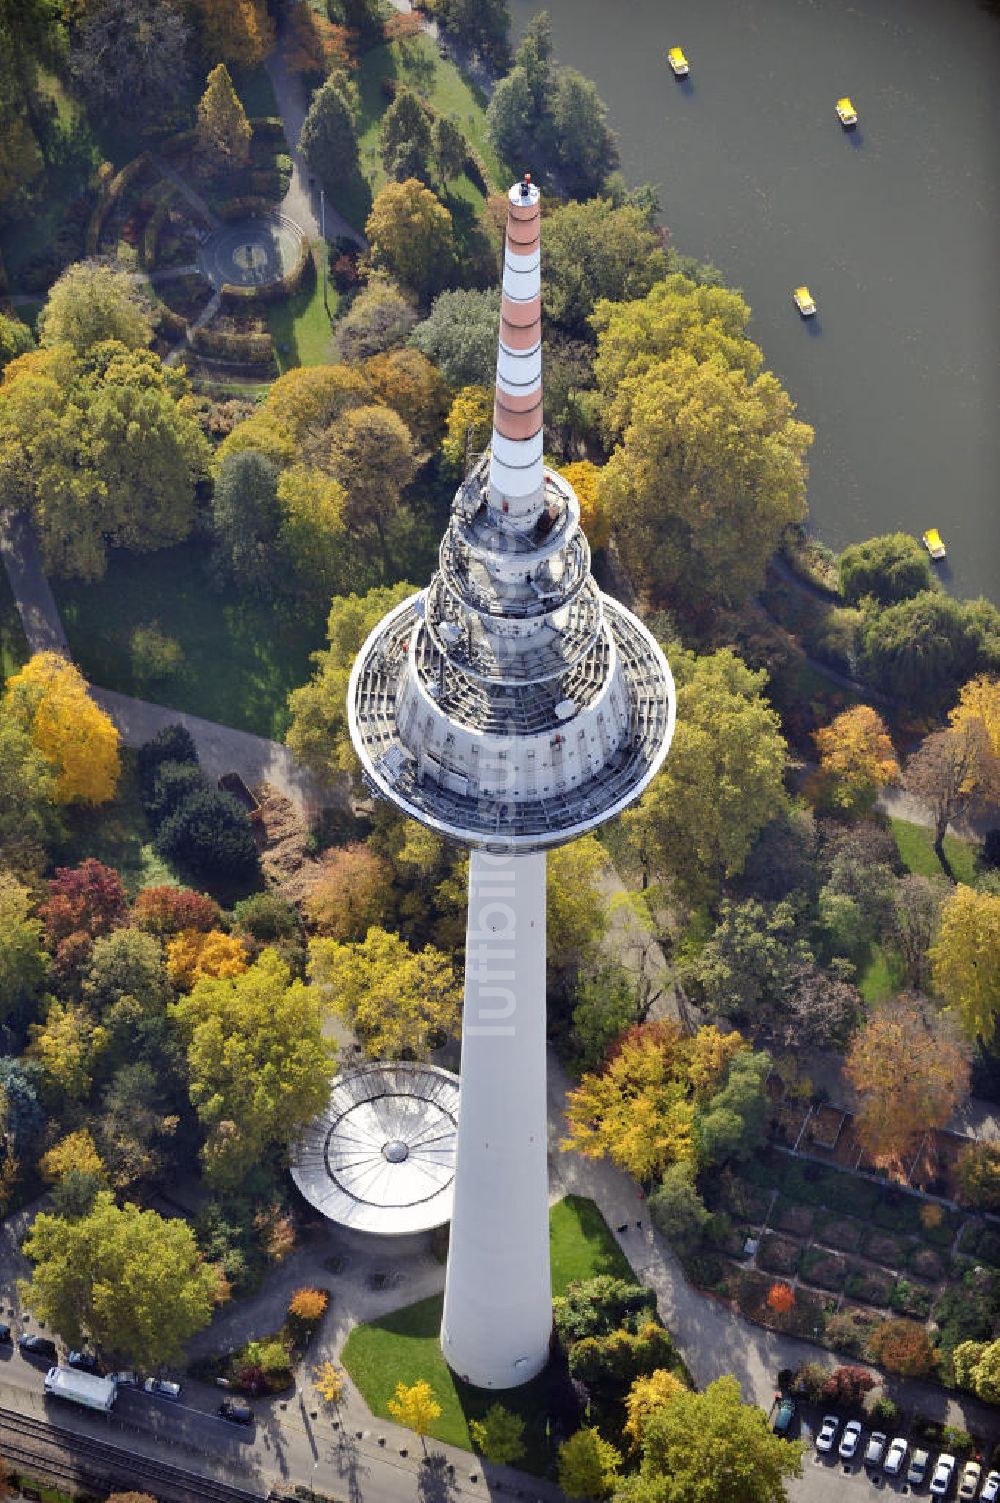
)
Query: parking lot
[{"x": 827, "y": 1479}]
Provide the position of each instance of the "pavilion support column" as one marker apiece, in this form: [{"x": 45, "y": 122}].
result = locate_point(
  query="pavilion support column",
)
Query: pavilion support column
[{"x": 498, "y": 1292}]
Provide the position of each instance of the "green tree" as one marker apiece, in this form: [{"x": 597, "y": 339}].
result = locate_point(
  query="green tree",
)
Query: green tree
[
  {"x": 913, "y": 924},
  {"x": 23, "y": 964},
  {"x": 594, "y": 251},
  {"x": 27, "y": 789},
  {"x": 598, "y": 1306},
  {"x": 918, "y": 650},
  {"x": 588, "y": 1465},
  {"x": 126, "y": 963},
  {"x": 499, "y": 1435},
  {"x": 291, "y": 426},
  {"x": 328, "y": 139},
  {"x": 380, "y": 318},
  {"x": 90, "y": 303},
  {"x": 480, "y": 25},
  {"x": 888, "y": 568},
  {"x": 130, "y": 59},
  {"x": 460, "y": 336},
  {"x": 510, "y": 116},
  {"x": 312, "y": 538},
  {"x": 722, "y": 782},
  {"x": 209, "y": 836},
  {"x": 746, "y": 965},
  {"x": 223, "y": 128},
  {"x": 246, "y": 515},
  {"x": 732, "y": 1123},
  {"x": 259, "y": 1065},
  {"x": 713, "y": 1447},
  {"x": 130, "y": 1281},
  {"x": 410, "y": 235},
  {"x": 605, "y": 1004},
  {"x": 678, "y": 1210},
  {"x": 450, "y": 148},
  {"x": 585, "y": 144},
  {"x": 405, "y": 140},
  {"x": 965, "y": 959},
  {"x": 318, "y": 732},
  {"x": 15, "y": 337},
  {"x": 978, "y": 1174},
  {"x": 575, "y": 915},
  {"x": 398, "y": 1001},
  {"x": 697, "y": 510},
  {"x": 371, "y": 454}
]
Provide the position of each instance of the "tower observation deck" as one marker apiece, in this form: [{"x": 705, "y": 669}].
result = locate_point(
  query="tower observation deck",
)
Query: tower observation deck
[{"x": 510, "y": 706}]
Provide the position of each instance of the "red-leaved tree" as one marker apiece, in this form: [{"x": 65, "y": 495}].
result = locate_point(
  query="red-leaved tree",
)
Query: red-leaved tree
[
  {"x": 781, "y": 1298},
  {"x": 848, "y": 1385},
  {"x": 88, "y": 898},
  {"x": 167, "y": 910}
]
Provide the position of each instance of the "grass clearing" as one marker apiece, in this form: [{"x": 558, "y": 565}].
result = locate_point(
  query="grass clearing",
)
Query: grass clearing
[
  {"x": 300, "y": 325},
  {"x": 117, "y": 834},
  {"x": 13, "y": 644},
  {"x": 405, "y": 1346},
  {"x": 242, "y": 655},
  {"x": 882, "y": 977},
  {"x": 916, "y": 850}
]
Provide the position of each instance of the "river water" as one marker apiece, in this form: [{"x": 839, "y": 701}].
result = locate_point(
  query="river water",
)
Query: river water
[{"x": 893, "y": 227}]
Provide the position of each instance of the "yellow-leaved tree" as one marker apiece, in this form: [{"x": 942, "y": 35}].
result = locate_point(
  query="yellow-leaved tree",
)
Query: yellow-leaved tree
[
  {"x": 415, "y": 1406},
  {"x": 397, "y": 999},
  {"x": 76, "y": 1152},
  {"x": 645, "y": 1397},
  {"x": 965, "y": 959},
  {"x": 193, "y": 955},
  {"x": 856, "y": 759},
  {"x": 595, "y": 519},
  {"x": 49, "y": 699},
  {"x": 980, "y": 700},
  {"x": 470, "y": 423},
  {"x": 588, "y": 1465}
]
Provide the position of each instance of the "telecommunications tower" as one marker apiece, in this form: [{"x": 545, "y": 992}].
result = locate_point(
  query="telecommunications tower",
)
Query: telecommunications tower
[{"x": 510, "y": 706}]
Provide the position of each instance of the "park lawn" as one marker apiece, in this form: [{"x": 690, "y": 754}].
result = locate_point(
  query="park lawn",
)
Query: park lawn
[
  {"x": 118, "y": 834},
  {"x": 300, "y": 326},
  {"x": 916, "y": 849},
  {"x": 241, "y": 655},
  {"x": 882, "y": 977},
  {"x": 416, "y": 64},
  {"x": 13, "y": 646},
  {"x": 405, "y": 1346}
]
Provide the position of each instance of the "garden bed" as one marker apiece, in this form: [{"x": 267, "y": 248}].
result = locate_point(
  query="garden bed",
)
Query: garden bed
[
  {"x": 797, "y": 1220},
  {"x": 871, "y": 1286},
  {"x": 778, "y": 1254},
  {"x": 826, "y": 1270},
  {"x": 842, "y": 1232},
  {"x": 882, "y": 1247}
]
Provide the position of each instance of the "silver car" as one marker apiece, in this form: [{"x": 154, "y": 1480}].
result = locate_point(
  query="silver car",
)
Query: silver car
[
  {"x": 847, "y": 1450},
  {"x": 895, "y": 1457},
  {"x": 875, "y": 1449},
  {"x": 969, "y": 1485},
  {"x": 163, "y": 1387},
  {"x": 991, "y": 1488},
  {"x": 944, "y": 1473}
]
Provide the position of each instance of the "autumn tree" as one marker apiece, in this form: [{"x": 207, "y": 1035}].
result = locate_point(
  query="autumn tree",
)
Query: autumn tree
[
  {"x": 410, "y": 235},
  {"x": 956, "y": 773},
  {"x": 965, "y": 959},
  {"x": 415, "y": 1406},
  {"x": 398, "y": 1000},
  {"x": 588, "y": 1465},
  {"x": 349, "y": 892},
  {"x": 979, "y": 699},
  {"x": 132, "y": 1282},
  {"x": 499, "y": 1435},
  {"x": 469, "y": 426},
  {"x": 89, "y": 897},
  {"x": 646, "y": 1396},
  {"x": 318, "y": 732},
  {"x": 312, "y": 551},
  {"x": 380, "y": 318},
  {"x": 371, "y": 454},
  {"x": 328, "y": 139},
  {"x": 903, "y": 1347},
  {"x": 77, "y": 738},
  {"x": 167, "y": 910},
  {"x": 193, "y": 955},
  {"x": 23, "y": 963},
  {"x": 292, "y": 424},
  {"x": 91, "y": 302},
  {"x": 910, "y": 1072},
  {"x": 713, "y": 1447},
  {"x": 239, "y": 31},
  {"x": 460, "y": 335},
  {"x": 575, "y": 915},
  {"x": 856, "y": 760},
  {"x": 223, "y": 128},
  {"x": 74, "y": 1153},
  {"x": 406, "y": 381},
  {"x": 585, "y": 478},
  {"x": 885, "y": 569},
  {"x": 722, "y": 782},
  {"x": 15, "y": 338},
  {"x": 259, "y": 1065},
  {"x": 913, "y": 924},
  {"x": 329, "y": 1382},
  {"x": 978, "y": 1173},
  {"x": 848, "y": 1385},
  {"x": 781, "y": 1298}
]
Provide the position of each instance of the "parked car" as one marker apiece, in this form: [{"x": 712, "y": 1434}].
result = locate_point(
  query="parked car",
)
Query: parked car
[
  {"x": 972, "y": 1474},
  {"x": 918, "y": 1467},
  {"x": 991, "y": 1488},
  {"x": 875, "y": 1449},
  {"x": 944, "y": 1472},
  {"x": 84, "y": 1362},
  {"x": 849, "y": 1441},
  {"x": 38, "y": 1346},
  {"x": 827, "y": 1432},
  {"x": 163, "y": 1387},
  {"x": 5, "y": 1332},
  {"x": 895, "y": 1457},
  {"x": 236, "y": 1411},
  {"x": 127, "y": 1378},
  {"x": 783, "y": 1418}
]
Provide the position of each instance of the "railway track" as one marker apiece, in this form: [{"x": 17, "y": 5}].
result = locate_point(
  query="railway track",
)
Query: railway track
[{"x": 30, "y": 1442}]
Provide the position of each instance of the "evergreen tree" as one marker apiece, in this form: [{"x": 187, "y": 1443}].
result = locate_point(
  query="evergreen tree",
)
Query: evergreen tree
[
  {"x": 223, "y": 127},
  {"x": 328, "y": 140},
  {"x": 405, "y": 142}
]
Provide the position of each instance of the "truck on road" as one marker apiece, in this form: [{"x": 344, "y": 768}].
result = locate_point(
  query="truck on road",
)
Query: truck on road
[{"x": 80, "y": 1388}]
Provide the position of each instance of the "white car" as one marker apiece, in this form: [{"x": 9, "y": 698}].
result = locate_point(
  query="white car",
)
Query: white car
[
  {"x": 895, "y": 1457},
  {"x": 969, "y": 1486},
  {"x": 847, "y": 1450},
  {"x": 875, "y": 1449},
  {"x": 991, "y": 1488},
  {"x": 163, "y": 1387},
  {"x": 827, "y": 1432},
  {"x": 944, "y": 1471}
]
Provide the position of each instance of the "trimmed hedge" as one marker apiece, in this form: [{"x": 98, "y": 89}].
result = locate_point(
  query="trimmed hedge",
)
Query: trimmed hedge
[
  {"x": 240, "y": 349},
  {"x": 154, "y": 226},
  {"x": 113, "y": 188},
  {"x": 244, "y": 206}
]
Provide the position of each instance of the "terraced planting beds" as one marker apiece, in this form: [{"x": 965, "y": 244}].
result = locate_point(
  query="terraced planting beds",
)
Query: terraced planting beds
[{"x": 855, "y": 1253}]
